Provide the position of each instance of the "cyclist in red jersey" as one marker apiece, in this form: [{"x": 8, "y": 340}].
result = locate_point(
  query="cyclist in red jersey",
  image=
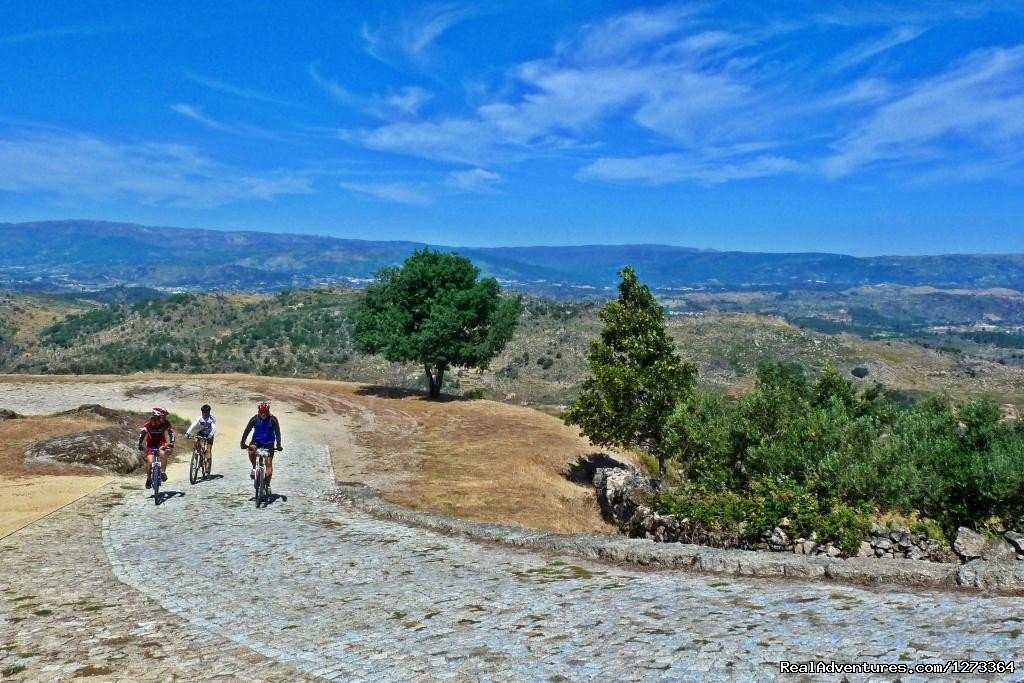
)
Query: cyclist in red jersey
[{"x": 156, "y": 434}]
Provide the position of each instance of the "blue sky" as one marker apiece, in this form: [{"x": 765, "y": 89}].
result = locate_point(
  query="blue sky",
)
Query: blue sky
[{"x": 858, "y": 127}]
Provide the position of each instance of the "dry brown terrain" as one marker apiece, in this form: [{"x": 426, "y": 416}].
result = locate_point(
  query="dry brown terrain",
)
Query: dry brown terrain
[
  {"x": 27, "y": 492},
  {"x": 475, "y": 459},
  {"x": 478, "y": 459}
]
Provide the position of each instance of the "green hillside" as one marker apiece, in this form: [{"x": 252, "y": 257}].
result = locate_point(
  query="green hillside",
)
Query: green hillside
[{"x": 306, "y": 333}]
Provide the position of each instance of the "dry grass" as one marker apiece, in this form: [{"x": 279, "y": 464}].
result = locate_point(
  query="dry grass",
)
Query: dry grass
[
  {"x": 478, "y": 460},
  {"x": 28, "y": 492}
]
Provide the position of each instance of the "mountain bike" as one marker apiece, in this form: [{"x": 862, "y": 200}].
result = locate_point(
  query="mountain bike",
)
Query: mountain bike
[
  {"x": 155, "y": 474},
  {"x": 201, "y": 460},
  {"x": 260, "y": 481}
]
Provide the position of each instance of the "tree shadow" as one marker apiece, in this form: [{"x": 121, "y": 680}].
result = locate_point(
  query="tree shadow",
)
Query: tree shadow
[
  {"x": 380, "y": 391},
  {"x": 582, "y": 471}
]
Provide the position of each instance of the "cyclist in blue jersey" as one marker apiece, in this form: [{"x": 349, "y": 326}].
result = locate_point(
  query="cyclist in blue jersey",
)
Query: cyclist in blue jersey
[{"x": 265, "y": 432}]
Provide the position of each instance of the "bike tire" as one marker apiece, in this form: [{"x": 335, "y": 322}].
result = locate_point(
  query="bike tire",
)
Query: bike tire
[
  {"x": 260, "y": 486},
  {"x": 194, "y": 466},
  {"x": 157, "y": 476}
]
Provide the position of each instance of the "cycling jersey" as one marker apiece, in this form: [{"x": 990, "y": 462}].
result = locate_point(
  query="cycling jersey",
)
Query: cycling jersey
[
  {"x": 207, "y": 427},
  {"x": 265, "y": 430},
  {"x": 156, "y": 433}
]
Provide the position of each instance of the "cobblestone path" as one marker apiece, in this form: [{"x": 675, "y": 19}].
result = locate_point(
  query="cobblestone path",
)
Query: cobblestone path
[{"x": 306, "y": 589}]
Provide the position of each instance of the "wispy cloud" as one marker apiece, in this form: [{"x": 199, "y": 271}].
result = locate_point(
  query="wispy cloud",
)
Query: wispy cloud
[
  {"x": 406, "y": 102},
  {"x": 414, "y": 35},
  {"x": 400, "y": 193},
  {"x": 659, "y": 93},
  {"x": 401, "y": 104},
  {"x": 975, "y": 107},
  {"x": 236, "y": 91},
  {"x": 85, "y": 167},
  {"x": 58, "y": 32},
  {"x": 868, "y": 49},
  {"x": 473, "y": 180},
  {"x": 618, "y": 67},
  {"x": 663, "y": 169},
  {"x": 331, "y": 87},
  {"x": 245, "y": 130}
]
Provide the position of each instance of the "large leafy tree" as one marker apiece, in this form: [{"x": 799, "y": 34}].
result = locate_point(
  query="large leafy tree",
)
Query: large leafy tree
[
  {"x": 433, "y": 310},
  {"x": 636, "y": 376}
]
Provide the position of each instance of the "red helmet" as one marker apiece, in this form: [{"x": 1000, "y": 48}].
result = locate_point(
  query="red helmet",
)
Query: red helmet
[
  {"x": 263, "y": 407},
  {"x": 159, "y": 412}
]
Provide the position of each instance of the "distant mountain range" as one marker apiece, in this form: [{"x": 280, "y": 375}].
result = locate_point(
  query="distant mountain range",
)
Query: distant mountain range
[{"x": 76, "y": 254}]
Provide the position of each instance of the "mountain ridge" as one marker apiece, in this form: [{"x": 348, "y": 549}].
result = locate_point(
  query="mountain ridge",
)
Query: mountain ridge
[{"x": 45, "y": 255}]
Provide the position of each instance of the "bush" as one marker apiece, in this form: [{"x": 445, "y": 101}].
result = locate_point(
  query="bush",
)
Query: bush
[
  {"x": 793, "y": 441},
  {"x": 742, "y": 519}
]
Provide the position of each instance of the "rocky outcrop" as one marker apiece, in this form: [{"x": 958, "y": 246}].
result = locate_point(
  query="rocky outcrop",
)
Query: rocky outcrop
[
  {"x": 6, "y": 414},
  {"x": 109, "y": 449}
]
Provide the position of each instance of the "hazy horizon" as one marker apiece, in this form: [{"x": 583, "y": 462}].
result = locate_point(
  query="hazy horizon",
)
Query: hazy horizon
[{"x": 830, "y": 127}]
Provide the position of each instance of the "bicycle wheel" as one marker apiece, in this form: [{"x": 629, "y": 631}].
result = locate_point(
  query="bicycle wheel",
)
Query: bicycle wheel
[
  {"x": 195, "y": 465},
  {"x": 260, "y": 486},
  {"x": 157, "y": 475}
]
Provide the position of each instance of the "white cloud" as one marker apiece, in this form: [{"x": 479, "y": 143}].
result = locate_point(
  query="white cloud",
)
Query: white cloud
[
  {"x": 868, "y": 49},
  {"x": 618, "y": 67},
  {"x": 978, "y": 104},
  {"x": 473, "y": 180},
  {"x": 196, "y": 114},
  {"x": 86, "y": 167},
  {"x": 401, "y": 193},
  {"x": 863, "y": 91},
  {"x": 414, "y": 35},
  {"x": 662, "y": 169},
  {"x": 332, "y": 87},
  {"x": 235, "y": 91},
  {"x": 58, "y": 32},
  {"x": 408, "y": 100}
]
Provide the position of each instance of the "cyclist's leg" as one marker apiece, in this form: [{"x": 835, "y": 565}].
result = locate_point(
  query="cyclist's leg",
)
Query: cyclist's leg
[
  {"x": 252, "y": 458},
  {"x": 270, "y": 468}
]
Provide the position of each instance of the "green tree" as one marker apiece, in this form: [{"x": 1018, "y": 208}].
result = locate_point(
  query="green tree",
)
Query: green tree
[
  {"x": 433, "y": 310},
  {"x": 636, "y": 376}
]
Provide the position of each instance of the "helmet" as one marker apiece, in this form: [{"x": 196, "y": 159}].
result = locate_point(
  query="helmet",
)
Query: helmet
[
  {"x": 263, "y": 407},
  {"x": 159, "y": 412},
  {"x": 205, "y": 408}
]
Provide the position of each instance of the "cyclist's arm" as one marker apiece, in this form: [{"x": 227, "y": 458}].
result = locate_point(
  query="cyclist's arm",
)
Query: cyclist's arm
[
  {"x": 213, "y": 426},
  {"x": 142, "y": 437},
  {"x": 188, "y": 432},
  {"x": 170, "y": 435},
  {"x": 248, "y": 428},
  {"x": 277, "y": 430}
]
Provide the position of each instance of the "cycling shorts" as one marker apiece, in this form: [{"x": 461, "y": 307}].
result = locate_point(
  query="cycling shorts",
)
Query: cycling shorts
[{"x": 269, "y": 446}]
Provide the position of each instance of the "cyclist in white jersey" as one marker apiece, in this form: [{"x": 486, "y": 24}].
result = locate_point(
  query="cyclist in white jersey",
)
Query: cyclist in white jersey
[{"x": 205, "y": 426}]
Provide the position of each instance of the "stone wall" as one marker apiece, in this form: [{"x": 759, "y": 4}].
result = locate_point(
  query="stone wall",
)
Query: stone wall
[{"x": 623, "y": 494}]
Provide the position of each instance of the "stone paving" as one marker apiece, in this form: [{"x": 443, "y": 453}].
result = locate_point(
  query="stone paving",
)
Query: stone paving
[{"x": 207, "y": 587}]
